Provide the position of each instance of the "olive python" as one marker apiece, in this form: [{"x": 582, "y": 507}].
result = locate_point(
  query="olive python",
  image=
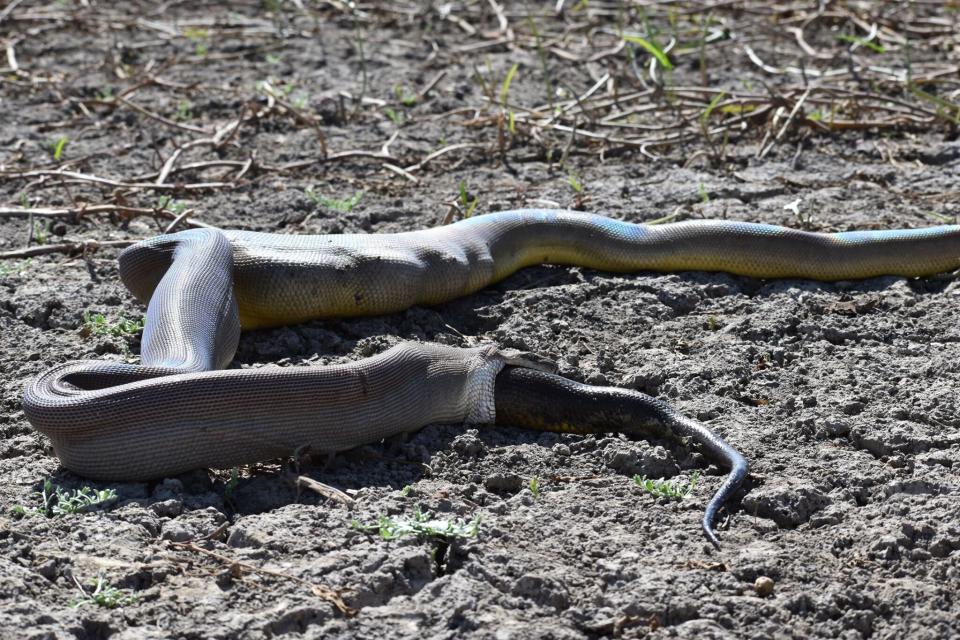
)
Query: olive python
[{"x": 180, "y": 409}]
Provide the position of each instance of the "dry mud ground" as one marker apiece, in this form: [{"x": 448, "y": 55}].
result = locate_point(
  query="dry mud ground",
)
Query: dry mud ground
[{"x": 843, "y": 396}]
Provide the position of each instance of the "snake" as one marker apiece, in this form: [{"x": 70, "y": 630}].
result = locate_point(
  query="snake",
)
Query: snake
[{"x": 181, "y": 408}]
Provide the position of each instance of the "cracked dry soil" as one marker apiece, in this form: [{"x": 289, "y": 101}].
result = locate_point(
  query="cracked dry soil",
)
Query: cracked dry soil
[{"x": 843, "y": 396}]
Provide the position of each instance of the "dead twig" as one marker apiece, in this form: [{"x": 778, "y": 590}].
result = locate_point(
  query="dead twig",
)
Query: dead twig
[
  {"x": 325, "y": 490},
  {"x": 83, "y": 247},
  {"x": 326, "y": 593}
]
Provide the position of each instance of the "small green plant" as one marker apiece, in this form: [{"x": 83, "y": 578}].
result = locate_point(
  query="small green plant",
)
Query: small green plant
[
  {"x": 467, "y": 205},
  {"x": 575, "y": 183},
  {"x": 946, "y": 110},
  {"x": 272, "y": 59},
  {"x": 199, "y": 38},
  {"x": 651, "y": 48},
  {"x": 103, "y": 594},
  {"x": 97, "y": 324},
  {"x": 535, "y": 487},
  {"x": 230, "y": 488},
  {"x": 407, "y": 489},
  {"x": 57, "y": 147},
  {"x": 505, "y": 86},
  {"x": 15, "y": 268},
  {"x": 57, "y": 502},
  {"x": 395, "y": 116},
  {"x": 404, "y": 98},
  {"x": 422, "y": 525},
  {"x": 676, "y": 488},
  {"x": 40, "y": 232},
  {"x": 704, "y": 196},
  {"x": 166, "y": 203},
  {"x": 869, "y": 44},
  {"x": 344, "y": 205},
  {"x": 183, "y": 110}
]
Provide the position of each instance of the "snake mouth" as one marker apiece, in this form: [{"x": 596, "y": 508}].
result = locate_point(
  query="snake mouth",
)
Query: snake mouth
[{"x": 544, "y": 401}]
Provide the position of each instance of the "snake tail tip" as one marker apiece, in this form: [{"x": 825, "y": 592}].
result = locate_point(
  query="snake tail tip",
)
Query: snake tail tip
[{"x": 712, "y": 538}]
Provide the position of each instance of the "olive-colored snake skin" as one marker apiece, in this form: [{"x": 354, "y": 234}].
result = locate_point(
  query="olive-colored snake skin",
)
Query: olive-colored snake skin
[{"x": 179, "y": 410}]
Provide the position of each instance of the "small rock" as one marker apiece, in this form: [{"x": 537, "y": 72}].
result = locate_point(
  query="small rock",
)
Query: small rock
[
  {"x": 940, "y": 547},
  {"x": 175, "y": 532},
  {"x": 503, "y": 482},
  {"x": 763, "y": 586},
  {"x": 836, "y": 428},
  {"x": 787, "y": 504},
  {"x": 853, "y": 408},
  {"x": 48, "y": 569},
  {"x": 468, "y": 444},
  {"x": 170, "y": 508},
  {"x": 170, "y": 488},
  {"x": 885, "y": 548}
]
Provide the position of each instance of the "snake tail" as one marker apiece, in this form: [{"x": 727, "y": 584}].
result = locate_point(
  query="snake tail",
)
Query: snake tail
[{"x": 537, "y": 400}]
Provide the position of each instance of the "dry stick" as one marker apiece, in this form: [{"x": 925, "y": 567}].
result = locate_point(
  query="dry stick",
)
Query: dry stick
[
  {"x": 308, "y": 119},
  {"x": 580, "y": 100},
  {"x": 161, "y": 119},
  {"x": 83, "y": 177},
  {"x": 79, "y": 212},
  {"x": 246, "y": 166},
  {"x": 796, "y": 108},
  {"x": 325, "y": 490},
  {"x": 12, "y": 58},
  {"x": 330, "y": 595},
  {"x": 70, "y": 248},
  {"x": 403, "y": 173},
  {"x": 176, "y": 221},
  {"x": 443, "y": 151},
  {"x": 195, "y": 166},
  {"x": 218, "y": 139},
  {"x": 49, "y": 212},
  {"x": 422, "y": 94}
]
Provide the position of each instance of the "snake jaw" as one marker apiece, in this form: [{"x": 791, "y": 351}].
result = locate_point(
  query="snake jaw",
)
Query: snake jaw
[{"x": 527, "y": 360}]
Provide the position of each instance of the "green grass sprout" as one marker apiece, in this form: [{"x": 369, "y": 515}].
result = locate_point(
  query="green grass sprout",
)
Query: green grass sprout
[
  {"x": 535, "y": 487},
  {"x": 869, "y": 44},
  {"x": 58, "y": 146},
  {"x": 97, "y": 324},
  {"x": 652, "y": 49},
  {"x": 505, "y": 87},
  {"x": 676, "y": 488},
  {"x": 57, "y": 502},
  {"x": 344, "y": 205},
  {"x": 15, "y": 269},
  {"x": 422, "y": 525},
  {"x": 466, "y": 203},
  {"x": 395, "y": 116},
  {"x": 103, "y": 594}
]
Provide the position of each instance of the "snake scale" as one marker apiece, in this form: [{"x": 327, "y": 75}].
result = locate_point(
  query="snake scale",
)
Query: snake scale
[{"x": 180, "y": 409}]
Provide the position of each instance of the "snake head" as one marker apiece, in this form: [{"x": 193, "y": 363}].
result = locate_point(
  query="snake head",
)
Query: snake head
[{"x": 528, "y": 360}]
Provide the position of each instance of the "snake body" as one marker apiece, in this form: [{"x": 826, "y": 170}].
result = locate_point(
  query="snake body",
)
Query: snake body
[{"x": 180, "y": 410}]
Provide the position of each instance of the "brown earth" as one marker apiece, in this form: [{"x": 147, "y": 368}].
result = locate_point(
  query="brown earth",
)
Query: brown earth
[{"x": 842, "y": 396}]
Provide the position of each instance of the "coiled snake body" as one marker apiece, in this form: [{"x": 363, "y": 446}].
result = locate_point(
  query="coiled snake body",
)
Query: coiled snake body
[{"x": 180, "y": 410}]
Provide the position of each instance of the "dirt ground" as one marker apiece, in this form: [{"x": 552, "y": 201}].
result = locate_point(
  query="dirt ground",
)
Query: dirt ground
[{"x": 119, "y": 119}]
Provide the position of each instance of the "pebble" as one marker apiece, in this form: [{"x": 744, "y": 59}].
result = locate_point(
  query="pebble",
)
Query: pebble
[{"x": 763, "y": 586}]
